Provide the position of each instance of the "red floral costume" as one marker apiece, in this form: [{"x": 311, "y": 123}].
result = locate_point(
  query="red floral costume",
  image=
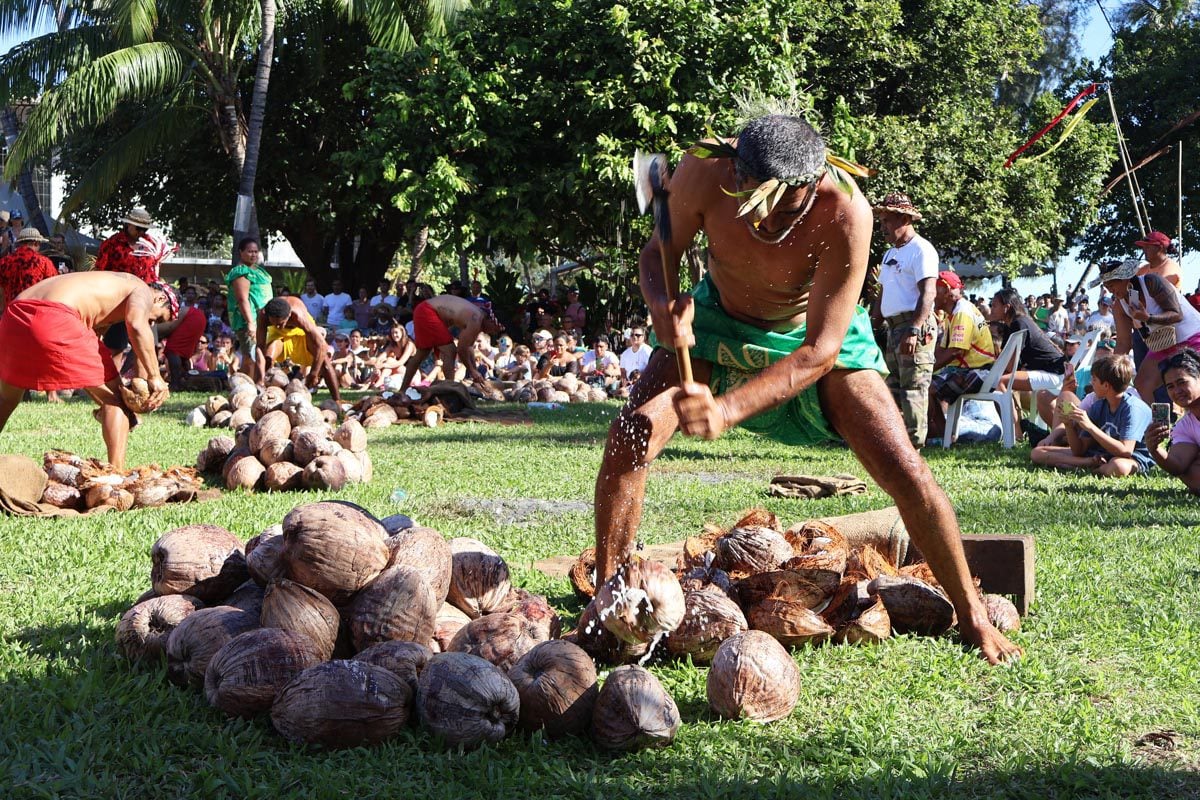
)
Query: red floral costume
[
  {"x": 117, "y": 255},
  {"x": 21, "y": 269}
]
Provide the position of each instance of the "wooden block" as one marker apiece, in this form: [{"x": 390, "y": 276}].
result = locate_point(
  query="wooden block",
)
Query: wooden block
[{"x": 1003, "y": 564}]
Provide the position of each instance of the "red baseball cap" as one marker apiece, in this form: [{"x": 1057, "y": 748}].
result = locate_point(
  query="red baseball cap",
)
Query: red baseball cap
[
  {"x": 1156, "y": 238},
  {"x": 949, "y": 279}
]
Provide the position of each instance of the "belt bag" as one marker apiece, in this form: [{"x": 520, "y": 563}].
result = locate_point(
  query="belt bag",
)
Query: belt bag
[{"x": 1162, "y": 338}]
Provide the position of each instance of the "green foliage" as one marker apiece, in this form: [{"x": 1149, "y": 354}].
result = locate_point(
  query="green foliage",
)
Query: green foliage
[{"x": 505, "y": 291}]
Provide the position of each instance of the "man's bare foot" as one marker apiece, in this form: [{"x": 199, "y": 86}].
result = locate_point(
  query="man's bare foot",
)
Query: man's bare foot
[
  {"x": 993, "y": 645},
  {"x": 52, "y": 397}
]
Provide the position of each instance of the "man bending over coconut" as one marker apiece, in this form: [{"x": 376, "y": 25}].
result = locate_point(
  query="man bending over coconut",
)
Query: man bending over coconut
[
  {"x": 50, "y": 339},
  {"x": 432, "y": 321},
  {"x": 779, "y": 345},
  {"x": 287, "y": 332}
]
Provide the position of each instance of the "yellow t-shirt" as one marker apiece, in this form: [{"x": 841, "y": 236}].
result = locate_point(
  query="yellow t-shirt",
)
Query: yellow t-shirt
[{"x": 968, "y": 331}]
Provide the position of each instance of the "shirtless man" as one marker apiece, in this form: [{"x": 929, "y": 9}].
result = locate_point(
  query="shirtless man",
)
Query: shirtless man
[
  {"x": 801, "y": 372},
  {"x": 287, "y": 332},
  {"x": 50, "y": 338},
  {"x": 432, "y": 321}
]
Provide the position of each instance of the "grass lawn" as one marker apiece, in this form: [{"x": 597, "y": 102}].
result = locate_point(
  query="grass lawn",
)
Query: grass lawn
[{"x": 1112, "y": 641}]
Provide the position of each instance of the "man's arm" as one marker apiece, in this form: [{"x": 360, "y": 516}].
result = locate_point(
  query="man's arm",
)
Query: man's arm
[
  {"x": 316, "y": 346},
  {"x": 138, "y": 307},
  {"x": 260, "y": 342},
  {"x": 1164, "y": 294},
  {"x": 1124, "y": 328},
  {"x": 466, "y": 347}
]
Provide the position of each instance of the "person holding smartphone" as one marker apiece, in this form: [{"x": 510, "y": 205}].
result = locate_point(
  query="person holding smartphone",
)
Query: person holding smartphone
[{"x": 1181, "y": 376}]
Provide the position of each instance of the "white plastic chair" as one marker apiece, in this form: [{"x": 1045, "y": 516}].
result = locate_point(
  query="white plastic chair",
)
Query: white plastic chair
[
  {"x": 1006, "y": 362},
  {"x": 1087, "y": 350}
]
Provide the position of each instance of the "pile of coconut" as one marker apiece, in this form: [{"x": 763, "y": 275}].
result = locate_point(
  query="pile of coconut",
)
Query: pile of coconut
[
  {"x": 85, "y": 483},
  {"x": 287, "y": 444},
  {"x": 239, "y": 407},
  {"x": 567, "y": 389}
]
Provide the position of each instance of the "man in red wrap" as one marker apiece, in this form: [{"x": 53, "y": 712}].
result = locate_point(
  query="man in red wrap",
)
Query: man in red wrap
[
  {"x": 49, "y": 339},
  {"x": 136, "y": 251},
  {"x": 432, "y": 320}
]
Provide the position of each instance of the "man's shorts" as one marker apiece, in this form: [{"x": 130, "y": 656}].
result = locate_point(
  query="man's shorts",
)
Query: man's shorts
[
  {"x": 738, "y": 351},
  {"x": 54, "y": 349},
  {"x": 293, "y": 345},
  {"x": 951, "y": 383},
  {"x": 428, "y": 329}
]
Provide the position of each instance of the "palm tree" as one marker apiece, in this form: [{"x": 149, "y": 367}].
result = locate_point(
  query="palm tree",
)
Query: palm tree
[
  {"x": 1158, "y": 14},
  {"x": 179, "y": 63}
]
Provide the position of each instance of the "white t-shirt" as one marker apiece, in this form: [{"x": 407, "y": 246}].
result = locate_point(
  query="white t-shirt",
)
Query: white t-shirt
[
  {"x": 635, "y": 360},
  {"x": 391, "y": 300},
  {"x": 1058, "y": 321},
  {"x": 902, "y": 269},
  {"x": 589, "y": 361},
  {"x": 334, "y": 305},
  {"x": 314, "y": 303},
  {"x": 1098, "y": 320}
]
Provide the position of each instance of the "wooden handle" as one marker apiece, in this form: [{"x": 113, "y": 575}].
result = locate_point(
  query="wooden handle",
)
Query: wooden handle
[{"x": 683, "y": 357}]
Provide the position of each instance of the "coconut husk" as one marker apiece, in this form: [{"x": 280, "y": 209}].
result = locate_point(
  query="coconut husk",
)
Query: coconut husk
[
  {"x": 351, "y": 436},
  {"x": 817, "y": 545},
  {"x": 324, "y": 473},
  {"x": 143, "y": 630},
  {"x": 700, "y": 551},
  {"x": 396, "y": 606},
  {"x": 333, "y": 548},
  {"x": 710, "y": 619},
  {"x": 197, "y": 639},
  {"x": 154, "y": 494},
  {"x": 60, "y": 495},
  {"x": 136, "y": 394},
  {"x": 869, "y": 563},
  {"x": 342, "y": 704},
  {"x": 100, "y": 494},
  {"x": 913, "y": 605},
  {"x": 633, "y": 712},
  {"x": 600, "y": 643},
  {"x": 446, "y": 625},
  {"x": 498, "y": 638},
  {"x": 424, "y": 550},
  {"x": 752, "y": 549},
  {"x": 583, "y": 574},
  {"x": 850, "y": 600},
  {"x": 64, "y": 473},
  {"x": 205, "y": 561},
  {"x": 753, "y": 677},
  {"x": 556, "y": 683},
  {"x": 791, "y": 622},
  {"x": 699, "y": 578},
  {"x": 289, "y": 606},
  {"x": 1002, "y": 613},
  {"x": 244, "y": 676},
  {"x": 872, "y": 626},
  {"x": 479, "y": 581},
  {"x": 246, "y": 473},
  {"x": 640, "y": 601},
  {"x": 466, "y": 700},
  {"x": 812, "y": 588},
  {"x": 922, "y": 572},
  {"x": 535, "y": 608},
  {"x": 283, "y": 476},
  {"x": 403, "y": 659}
]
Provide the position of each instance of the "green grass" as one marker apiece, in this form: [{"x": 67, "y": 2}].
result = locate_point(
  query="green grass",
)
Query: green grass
[{"x": 1113, "y": 639}]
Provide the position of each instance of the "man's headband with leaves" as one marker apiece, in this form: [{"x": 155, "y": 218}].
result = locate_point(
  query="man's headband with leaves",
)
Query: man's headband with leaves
[{"x": 762, "y": 199}]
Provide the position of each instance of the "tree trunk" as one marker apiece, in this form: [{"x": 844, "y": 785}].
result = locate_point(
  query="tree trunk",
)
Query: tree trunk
[
  {"x": 34, "y": 216},
  {"x": 245, "y": 217},
  {"x": 419, "y": 243}
]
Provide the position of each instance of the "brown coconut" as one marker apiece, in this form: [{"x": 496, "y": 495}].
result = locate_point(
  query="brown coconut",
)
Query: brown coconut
[
  {"x": 368, "y": 468},
  {"x": 306, "y": 416},
  {"x": 1002, "y": 613},
  {"x": 143, "y": 630},
  {"x": 205, "y": 561},
  {"x": 240, "y": 418},
  {"x": 753, "y": 677},
  {"x": 640, "y": 601},
  {"x": 246, "y": 474},
  {"x": 404, "y": 659},
  {"x": 351, "y": 436},
  {"x": 556, "y": 682},
  {"x": 244, "y": 676},
  {"x": 306, "y": 445},
  {"x": 217, "y": 451},
  {"x": 154, "y": 494},
  {"x": 235, "y": 455},
  {"x": 446, "y": 625},
  {"x": 872, "y": 626},
  {"x": 752, "y": 549},
  {"x": 791, "y": 622},
  {"x": 197, "y": 639},
  {"x": 396, "y": 606},
  {"x": 342, "y": 704},
  {"x": 103, "y": 494},
  {"x": 818, "y": 545},
  {"x": 479, "y": 582},
  {"x": 351, "y": 466},
  {"x": 380, "y": 416},
  {"x": 242, "y": 396},
  {"x": 428, "y": 553},
  {"x": 61, "y": 472},
  {"x": 499, "y": 638},
  {"x": 324, "y": 472},
  {"x": 292, "y": 607},
  {"x": 333, "y": 548},
  {"x": 283, "y": 476},
  {"x": 247, "y": 597},
  {"x": 466, "y": 700},
  {"x": 268, "y": 400},
  {"x": 60, "y": 495},
  {"x": 813, "y": 588},
  {"x": 600, "y": 643},
  {"x": 221, "y": 419},
  {"x": 710, "y": 619},
  {"x": 633, "y": 711},
  {"x": 913, "y": 605},
  {"x": 214, "y": 404},
  {"x": 583, "y": 574},
  {"x": 274, "y": 451},
  {"x": 536, "y": 608}
]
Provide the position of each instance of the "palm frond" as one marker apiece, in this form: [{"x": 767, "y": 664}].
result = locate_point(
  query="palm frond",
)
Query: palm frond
[
  {"x": 133, "y": 21},
  {"x": 36, "y": 64},
  {"x": 159, "y": 129},
  {"x": 19, "y": 17},
  {"x": 92, "y": 93},
  {"x": 399, "y": 24}
]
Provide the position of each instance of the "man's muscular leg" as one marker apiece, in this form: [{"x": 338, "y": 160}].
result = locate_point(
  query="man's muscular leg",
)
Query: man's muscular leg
[
  {"x": 10, "y": 398},
  {"x": 114, "y": 421},
  {"x": 635, "y": 439},
  {"x": 859, "y": 406}
]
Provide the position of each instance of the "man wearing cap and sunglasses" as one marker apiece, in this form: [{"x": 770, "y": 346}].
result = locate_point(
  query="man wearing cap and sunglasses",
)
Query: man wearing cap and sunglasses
[
  {"x": 906, "y": 278},
  {"x": 50, "y": 337}
]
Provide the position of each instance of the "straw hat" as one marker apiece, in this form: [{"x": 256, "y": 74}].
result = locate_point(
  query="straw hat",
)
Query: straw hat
[
  {"x": 1117, "y": 271},
  {"x": 139, "y": 217},
  {"x": 30, "y": 235},
  {"x": 898, "y": 202}
]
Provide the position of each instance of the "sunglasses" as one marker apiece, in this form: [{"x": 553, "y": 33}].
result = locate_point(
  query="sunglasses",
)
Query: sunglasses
[
  {"x": 637, "y": 335},
  {"x": 204, "y": 341}
]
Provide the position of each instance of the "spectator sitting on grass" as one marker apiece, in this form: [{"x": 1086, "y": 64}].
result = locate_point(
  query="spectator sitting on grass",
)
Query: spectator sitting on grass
[
  {"x": 1181, "y": 376},
  {"x": 348, "y": 322},
  {"x": 1106, "y": 438},
  {"x": 521, "y": 367}
]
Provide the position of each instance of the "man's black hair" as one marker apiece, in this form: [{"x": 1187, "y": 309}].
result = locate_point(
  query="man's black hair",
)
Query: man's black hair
[
  {"x": 277, "y": 308},
  {"x": 601, "y": 338},
  {"x": 778, "y": 146}
]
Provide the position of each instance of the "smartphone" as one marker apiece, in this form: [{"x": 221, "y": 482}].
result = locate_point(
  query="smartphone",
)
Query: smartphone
[
  {"x": 1068, "y": 370},
  {"x": 1160, "y": 413}
]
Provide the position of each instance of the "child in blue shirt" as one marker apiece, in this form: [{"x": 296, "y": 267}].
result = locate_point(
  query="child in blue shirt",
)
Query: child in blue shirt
[{"x": 1107, "y": 437}]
